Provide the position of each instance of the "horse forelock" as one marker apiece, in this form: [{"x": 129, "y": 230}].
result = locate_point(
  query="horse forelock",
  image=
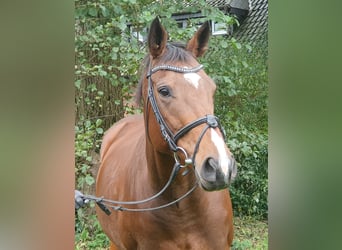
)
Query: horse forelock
[{"x": 175, "y": 52}]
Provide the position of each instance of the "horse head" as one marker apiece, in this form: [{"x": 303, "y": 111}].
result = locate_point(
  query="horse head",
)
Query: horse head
[{"x": 180, "y": 95}]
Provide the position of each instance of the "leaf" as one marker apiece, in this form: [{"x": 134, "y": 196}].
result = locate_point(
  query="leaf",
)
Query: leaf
[
  {"x": 227, "y": 79},
  {"x": 114, "y": 56},
  {"x": 80, "y": 11},
  {"x": 87, "y": 124},
  {"x": 98, "y": 122},
  {"x": 102, "y": 72},
  {"x": 104, "y": 11},
  {"x": 224, "y": 44},
  {"x": 78, "y": 84},
  {"x": 244, "y": 64},
  {"x": 237, "y": 45},
  {"x": 249, "y": 48},
  {"x": 99, "y": 131},
  {"x": 92, "y": 11},
  {"x": 115, "y": 49},
  {"x": 89, "y": 180}
]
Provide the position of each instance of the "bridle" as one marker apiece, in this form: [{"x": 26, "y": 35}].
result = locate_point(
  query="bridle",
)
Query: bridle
[{"x": 211, "y": 121}]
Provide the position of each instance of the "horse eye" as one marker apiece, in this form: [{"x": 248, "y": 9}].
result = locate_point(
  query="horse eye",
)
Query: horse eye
[{"x": 164, "y": 91}]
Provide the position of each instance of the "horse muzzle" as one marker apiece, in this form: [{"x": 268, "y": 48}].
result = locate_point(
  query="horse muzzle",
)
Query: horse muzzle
[{"x": 213, "y": 176}]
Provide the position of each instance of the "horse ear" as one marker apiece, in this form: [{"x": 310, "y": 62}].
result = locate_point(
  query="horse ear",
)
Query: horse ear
[
  {"x": 157, "y": 38},
  {"x": 198, "y": 44}
]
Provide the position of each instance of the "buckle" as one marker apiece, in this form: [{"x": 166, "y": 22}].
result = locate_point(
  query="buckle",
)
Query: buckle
[
  {"x": 212, "y": 121},
  {"x": 188, "y": 161}
]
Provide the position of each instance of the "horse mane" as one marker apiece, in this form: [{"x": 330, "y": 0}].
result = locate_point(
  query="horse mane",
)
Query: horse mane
[{"x": 175, "y": 52}]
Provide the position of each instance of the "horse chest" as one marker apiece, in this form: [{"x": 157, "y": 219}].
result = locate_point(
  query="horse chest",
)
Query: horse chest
[
  {"x": 183, "y": 234},
  {"x": 185, "y": 241}
]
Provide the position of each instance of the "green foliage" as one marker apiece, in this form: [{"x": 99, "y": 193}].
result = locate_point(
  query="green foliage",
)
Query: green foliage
[
  {"x": 108, "y": 57},
  {"x": 250, "y": 234},
  {"x": 88, "y": 232},
  {"x": 88, "y": 136},
  {"x": 240, "y": 72}
]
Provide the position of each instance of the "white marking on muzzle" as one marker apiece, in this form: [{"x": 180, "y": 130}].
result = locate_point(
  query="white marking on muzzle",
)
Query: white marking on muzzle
[
  {"x": 224, "y": 160},
  {"x": 193, "y": 79}
]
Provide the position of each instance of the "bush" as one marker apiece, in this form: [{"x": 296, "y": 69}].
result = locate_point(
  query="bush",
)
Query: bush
[{"x": 240, "y": 72}]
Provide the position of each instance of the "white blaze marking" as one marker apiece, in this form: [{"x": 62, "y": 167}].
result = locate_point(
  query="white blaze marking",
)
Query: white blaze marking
[
  {"x": 192, "y": 78},
  {"x": 224, "y": 160}
]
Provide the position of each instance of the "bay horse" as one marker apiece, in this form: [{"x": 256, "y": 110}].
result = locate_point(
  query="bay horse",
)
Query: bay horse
[{"x": 175, "y": 146}]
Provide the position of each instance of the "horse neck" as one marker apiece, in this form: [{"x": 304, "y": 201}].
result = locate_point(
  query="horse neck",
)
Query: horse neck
[
  {"x": 160, "y": 161},
  {"x": 159, "y": 165}
]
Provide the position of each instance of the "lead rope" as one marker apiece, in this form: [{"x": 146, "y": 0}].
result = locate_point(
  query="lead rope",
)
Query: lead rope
[{"x": 81, "y": 199}]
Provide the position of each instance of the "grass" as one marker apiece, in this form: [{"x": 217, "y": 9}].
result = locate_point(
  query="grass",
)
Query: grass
[{"x": 249, "y": 234}]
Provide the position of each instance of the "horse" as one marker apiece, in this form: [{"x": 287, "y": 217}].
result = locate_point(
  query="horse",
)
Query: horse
[{"x": 174, "y": 152}]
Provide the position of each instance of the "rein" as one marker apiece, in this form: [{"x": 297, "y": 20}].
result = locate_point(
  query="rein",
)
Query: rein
[
  {"x": 211, "y": 121},
  {"x": 82, "y": 199}
]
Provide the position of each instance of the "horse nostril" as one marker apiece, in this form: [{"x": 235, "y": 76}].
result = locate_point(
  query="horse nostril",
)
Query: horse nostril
[
  {"x": 212, "y": 163},
  {"x": 209, "y": 170}
]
